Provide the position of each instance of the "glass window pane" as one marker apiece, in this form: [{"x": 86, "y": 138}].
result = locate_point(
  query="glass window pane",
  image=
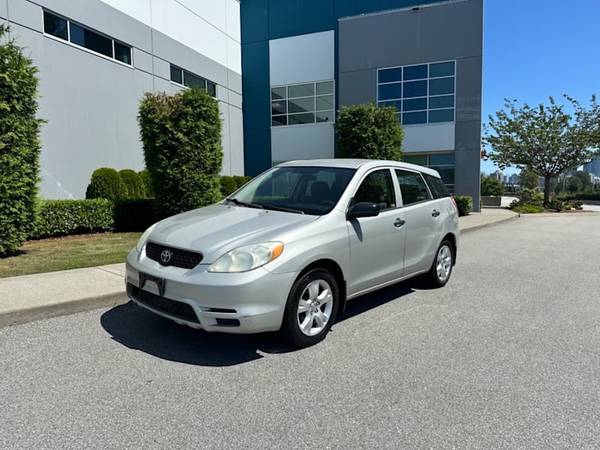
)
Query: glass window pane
[
  {"x": 441, "y": 115},
  {"x": 211, "y": 88},
  {"x": 441, "y": 69},
  {"x": 445, "y": 159},
  {"x": 277, "y": 121},
  {"x": 415, "y": 89},
  {"x": 389, "y": 75},
  {"x": 122, "y": 53},
  {"x": 325, "y": 103},
  {"x": 277, "y": 93},
  {"x": 395, "y": 104},
  {"x": 191, "y": 80},
  {"x": 301, "y": 90},
  {"x": 301, "y": 105},
  {"x": 420, "y": 160},
  {"x": 325, "y": 116},
  {"x": 390, "y": 91},
  {"x": 296, "y": 119},
  {"x": 447, "y": 174},
  {"x": 325, "y": 88},
  {"x": 377, "y": 188},
  {"x": 441, "y": 86},
  {"x": 414, "y": 118},
  {"x": 414, "y": 104},
  {"x": 54, "y": 25},
  {"x": 278, "y": 107},
  {"x": 436, "y": 186},
  {"x": 413, "y": 187},
  {"x": 176, "y": 74},
  {"x": 90, "y": 40},
  {"x": 415, "y": 72},
  {"x": 446, "y": 101}
]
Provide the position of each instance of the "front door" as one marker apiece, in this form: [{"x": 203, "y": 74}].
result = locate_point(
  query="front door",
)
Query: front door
[{"x": 376, "y": 243}]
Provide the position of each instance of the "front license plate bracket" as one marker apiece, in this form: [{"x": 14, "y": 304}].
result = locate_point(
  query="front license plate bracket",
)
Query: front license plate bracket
[{"x": 160, "y": 283}]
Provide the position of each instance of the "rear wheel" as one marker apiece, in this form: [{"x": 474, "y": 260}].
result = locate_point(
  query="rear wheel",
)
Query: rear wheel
[
  {"x": 311, "y": 308},
  {"x": 441, "y": 269}
]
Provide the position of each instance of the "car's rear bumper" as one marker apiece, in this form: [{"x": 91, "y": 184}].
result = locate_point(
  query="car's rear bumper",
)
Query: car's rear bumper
[{"x": 249, "y": 302}]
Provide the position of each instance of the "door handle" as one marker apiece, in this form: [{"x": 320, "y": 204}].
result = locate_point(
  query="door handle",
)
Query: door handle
[
  {"x": 399, "y": 222},
  {"x": 435, "y": 213}
]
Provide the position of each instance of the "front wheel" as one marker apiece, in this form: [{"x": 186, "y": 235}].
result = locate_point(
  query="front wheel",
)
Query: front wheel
[
  {"x": 441, "y": 269},
  {"x": 311, "y": 308}
]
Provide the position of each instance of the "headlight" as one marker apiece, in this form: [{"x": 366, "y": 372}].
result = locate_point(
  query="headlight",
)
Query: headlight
[
  {"x": 247, "y": 258},
  {"x": 144, "y": 238}
]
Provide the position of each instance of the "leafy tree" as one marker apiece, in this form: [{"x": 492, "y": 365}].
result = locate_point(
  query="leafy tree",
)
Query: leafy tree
[
  {"x": 19, "y": 145},
  {"x": 182, "y": 147},
  {"x": 106, "y": 183},
  {"x": 585, "y": 179},
  {"x": 369, "y": 132},
  {"x": 528, "y": 178},
  {"x": 545, "y": 138},
  {"x": 491, "y": 186},
  {"x": 147, "y": 182},
  {"x": 133, "y": 183},
  {"x": 574, "y": 185}
]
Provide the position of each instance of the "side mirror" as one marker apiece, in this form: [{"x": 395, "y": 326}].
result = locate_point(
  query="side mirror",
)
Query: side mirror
[{"x": 363, "y": 209}]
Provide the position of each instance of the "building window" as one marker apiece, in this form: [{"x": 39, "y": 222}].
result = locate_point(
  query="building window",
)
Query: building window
[
  {"x": 188, "y": 79},
  {"x": 423, "y": 93},
  {"x": 81, "y": 36},
  {"x": 442, "y": 162},
  {"x": 304, "y": 103}
]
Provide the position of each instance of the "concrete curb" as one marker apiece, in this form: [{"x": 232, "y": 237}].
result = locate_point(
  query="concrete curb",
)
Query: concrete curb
[
  {"x": 31, "y": 314},
  {"x": 490, "y": 224}
]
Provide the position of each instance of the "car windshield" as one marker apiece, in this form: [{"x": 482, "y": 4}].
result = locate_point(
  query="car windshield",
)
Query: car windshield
[{"x": 301, "y": 190}]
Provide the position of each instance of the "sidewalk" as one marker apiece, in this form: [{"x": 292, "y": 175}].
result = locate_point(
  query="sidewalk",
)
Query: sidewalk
[{"x": 39, "y": 296}]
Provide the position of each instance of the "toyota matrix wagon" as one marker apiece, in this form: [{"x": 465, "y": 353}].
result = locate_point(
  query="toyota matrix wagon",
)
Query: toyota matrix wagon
[{"x": 287, "y": 250}]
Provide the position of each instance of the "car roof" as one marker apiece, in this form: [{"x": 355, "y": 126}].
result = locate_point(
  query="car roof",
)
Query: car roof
[{"x": 356, "y": 164}]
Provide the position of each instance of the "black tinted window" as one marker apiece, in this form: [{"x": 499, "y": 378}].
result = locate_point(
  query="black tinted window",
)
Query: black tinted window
[
  {"x": 437, "y": 186},
  {"x": 90, "y": 40},
  {"x": 123, "y": 53},
  {"x": 54, "y": 25},
  {"x": 377, "y": 188},
  {"x": 412, "y": 186}
]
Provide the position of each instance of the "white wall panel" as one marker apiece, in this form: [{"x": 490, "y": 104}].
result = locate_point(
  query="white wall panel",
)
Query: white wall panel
[
  {"x": 302, "y": 142},
  {"x": 309, "y": 57},
  {"x": 430, "y": 137}
]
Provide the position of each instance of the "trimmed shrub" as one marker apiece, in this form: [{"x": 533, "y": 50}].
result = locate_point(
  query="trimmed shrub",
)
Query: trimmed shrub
[
  {"x": 63, "y": 217},
  {"x": 135, "y": 215},
  {"x": 527, "y": 209},
  {"x": 464, "y": 204},
  {"x": 182, "y": 148},
  {"x": 531, "y": 197},
  {"x": 228, "y": 185},
  {"x": 240, "y": 180},
  {"x": 133, "y": 183},
  {"x": 147, "y": 182},
  {"x": 370, "y": 132},
  {"x": 106, "y": 183},
  {"x": 19, "y": 145}
]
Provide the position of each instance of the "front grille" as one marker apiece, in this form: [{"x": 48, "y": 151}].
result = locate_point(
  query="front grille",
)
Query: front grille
[
  {"x": 172, "y": 308},
  {"x": 184, "y": 259}
]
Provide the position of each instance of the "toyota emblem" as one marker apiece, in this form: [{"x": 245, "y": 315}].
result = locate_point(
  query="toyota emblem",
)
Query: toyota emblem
[{"x": 166, "y": 256}]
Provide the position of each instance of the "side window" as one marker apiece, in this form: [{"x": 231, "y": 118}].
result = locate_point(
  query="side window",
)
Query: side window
[
  {"x": 413, "y": 188},
  {"x": 437, "y": 186},
  {"x": 378, "y": 188}
]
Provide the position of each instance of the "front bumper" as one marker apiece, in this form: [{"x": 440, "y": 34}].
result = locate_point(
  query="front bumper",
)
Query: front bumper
[{"x": 249, "y": 302}]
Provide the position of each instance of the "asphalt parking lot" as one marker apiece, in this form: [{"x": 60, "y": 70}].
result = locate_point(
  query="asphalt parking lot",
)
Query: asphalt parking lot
[{"x": 507, "y": 355}]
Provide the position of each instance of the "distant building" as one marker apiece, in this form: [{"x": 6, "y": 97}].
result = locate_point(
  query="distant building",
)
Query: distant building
[{"x": 593, "y": 167}]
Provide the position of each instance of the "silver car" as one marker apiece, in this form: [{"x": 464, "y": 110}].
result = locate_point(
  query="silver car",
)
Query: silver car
[{"x": 291, "y": 247}]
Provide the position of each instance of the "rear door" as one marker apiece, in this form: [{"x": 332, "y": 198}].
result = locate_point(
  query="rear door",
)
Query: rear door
[
  {"x": 422, "y": 215},
  {"x": 376, "y": 243}
]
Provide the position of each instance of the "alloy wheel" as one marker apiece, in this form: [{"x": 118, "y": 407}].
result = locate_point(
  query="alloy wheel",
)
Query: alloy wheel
[{"x": 315, "y": 307}]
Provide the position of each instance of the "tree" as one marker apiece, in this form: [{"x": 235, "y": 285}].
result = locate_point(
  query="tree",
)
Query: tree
[
  {"x": 545, "y": 138},
  {"x": 491, "y": 186},
  {"x": 574, "y": 185},
  {"x": 19, "y": 145},
  {"x": 181, "y": 135},
  {"x": 369, "y": 132},
  {"x": 585, "y": 179},
  {"x": 106, "y": 183},
  {"x": 528, "y": 179}
]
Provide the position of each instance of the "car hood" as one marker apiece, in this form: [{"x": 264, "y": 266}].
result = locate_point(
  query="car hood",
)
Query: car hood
[{"x": 216, "y": 229}]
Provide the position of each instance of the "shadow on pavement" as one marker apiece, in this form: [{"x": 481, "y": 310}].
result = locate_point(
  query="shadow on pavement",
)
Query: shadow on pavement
[{"x": 139, "y": 329}]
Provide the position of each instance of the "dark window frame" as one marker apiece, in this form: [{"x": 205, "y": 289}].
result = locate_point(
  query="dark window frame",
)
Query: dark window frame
[
  {"x": 209, "y": 86},
  {"x": 420, "y": 176}
]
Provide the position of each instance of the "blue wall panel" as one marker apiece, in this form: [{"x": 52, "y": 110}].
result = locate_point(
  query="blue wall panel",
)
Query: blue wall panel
[{"x": 293, "y": 17}]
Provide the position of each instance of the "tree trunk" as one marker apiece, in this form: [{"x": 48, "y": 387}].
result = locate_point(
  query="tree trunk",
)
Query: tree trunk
[{"x": 547, "y": 179}]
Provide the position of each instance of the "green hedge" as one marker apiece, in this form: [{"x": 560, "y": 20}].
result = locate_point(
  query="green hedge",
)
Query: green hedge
[
  {"x": 135, "y": 215},
  {"x": 464, "y": 204},
  {"x": 64, "y": 217},
  {"x": 106, "y": 183},
  {"x": 133, "y": 183},
  {"x": 230, "y": 184},
  {"x": 594, "y": 196}
]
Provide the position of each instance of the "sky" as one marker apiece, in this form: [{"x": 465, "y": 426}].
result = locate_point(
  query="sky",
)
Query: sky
[{"x": 539, "y": 48}]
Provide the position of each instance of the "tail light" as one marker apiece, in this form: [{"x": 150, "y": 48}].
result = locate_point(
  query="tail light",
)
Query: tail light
[{"x": 454, "y": 203}]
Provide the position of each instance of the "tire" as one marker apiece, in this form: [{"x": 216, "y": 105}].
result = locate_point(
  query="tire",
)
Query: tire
[
  {"x": 304, "y": 328},
  {"x": 441, "y": 268}
]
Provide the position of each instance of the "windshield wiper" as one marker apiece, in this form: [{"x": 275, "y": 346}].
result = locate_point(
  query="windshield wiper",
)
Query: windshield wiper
[
  {"x": 281, "y": 208},
  {"x": 241, "y": 203}
]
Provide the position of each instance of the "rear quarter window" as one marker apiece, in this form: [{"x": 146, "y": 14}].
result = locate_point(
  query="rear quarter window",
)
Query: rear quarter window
[{"x": 436, "y": 186}]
